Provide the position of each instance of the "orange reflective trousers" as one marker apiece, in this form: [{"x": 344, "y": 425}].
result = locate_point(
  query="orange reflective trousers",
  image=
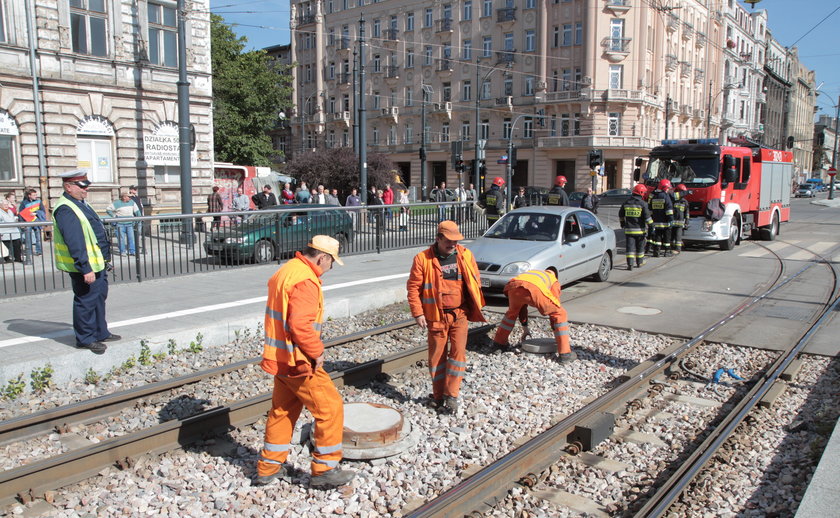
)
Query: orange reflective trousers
[
  {"x": 520, "y": 297},
  {"x": 448, "y": 364},
  {"x": 319, "y": 395}
]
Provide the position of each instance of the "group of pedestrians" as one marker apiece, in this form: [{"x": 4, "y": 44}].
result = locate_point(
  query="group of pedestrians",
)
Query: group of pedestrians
[
  {"x": 18, "y": 242},
  {"x": 653, "y": 220}
]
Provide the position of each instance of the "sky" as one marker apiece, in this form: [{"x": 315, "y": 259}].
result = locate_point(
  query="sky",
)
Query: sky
[{"x": 807, "y": 24}]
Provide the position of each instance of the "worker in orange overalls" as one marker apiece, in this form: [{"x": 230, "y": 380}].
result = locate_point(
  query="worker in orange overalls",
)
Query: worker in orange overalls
[
  {"x": 294, "y": 355},
  {"x": 540, "y": 289},
  {"x": 444, "y": 295}
]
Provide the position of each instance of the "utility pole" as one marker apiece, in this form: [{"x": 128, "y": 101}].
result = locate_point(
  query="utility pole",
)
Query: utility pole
[
  {"x": 427, "y": 90},
  {"x": 834, "y": 151},
  {"x": 362, "y": 114},
  {"x": 478, "y": 88},
  {"x": 187, "y": 236},
  {"x": 667, "y": 113},
  {"x": 709, "y": 112},
  {"x": 355, "y": 103}
]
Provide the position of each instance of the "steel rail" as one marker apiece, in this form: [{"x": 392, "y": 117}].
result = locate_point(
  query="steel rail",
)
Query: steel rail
[
  {"x": 489, "y": 485},
  {"x": 32, "y": 425},
  {"x": 32, "y": 480}
]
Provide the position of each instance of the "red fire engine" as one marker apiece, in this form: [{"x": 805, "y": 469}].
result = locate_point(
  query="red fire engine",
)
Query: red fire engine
[
  {"x": 736, "y": 191},
  {"x": 229, "y": 177}
]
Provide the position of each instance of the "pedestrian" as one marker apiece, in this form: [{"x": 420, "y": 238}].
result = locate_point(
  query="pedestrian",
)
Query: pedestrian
[
  {"x": 378, "y": 211},
  {"x": 520, "y": 200},
  {"x": 143, "y": 227},
  {"x": 493, "y": 201},
  {"x": 635, "y": 219},
  {"x": 662, "y": 212},
  {"x": 541, "y": 290},
  {"x": 294, "y": 354},
  {"x": 125, "y": 208},
  {"x": 472, "y": 197},
  {"x": 10, "y": 236},
  {"x": 388, "y": 199},
  {"x": 680, "y": 217},
  {"x": 444, "y": 295},
  {"x": 83, "y": 251},
  {"x": 371, "y": 196},
  {"x": 241, "y": 203},
  {"x": 440, "y": 197},
  {"x": 31, "y": 209},
  {"x": 265, "y": 199},
  {"x": 353, "y": 200},
  {"x": 11, "y": 197},
  {"x": 404, "y": 211},
  {"x": 557, "y": 195},
  {"x": 590, "y": 201},
  {"x": 319, "y": 196},
  {"x": 287, "y": 196},
  {"x": 303, "y": 195},
  {"x": 215, "y": 204},
  {"x": 332, "y": 197}
]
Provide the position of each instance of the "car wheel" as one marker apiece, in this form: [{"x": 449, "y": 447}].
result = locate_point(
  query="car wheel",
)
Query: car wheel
[
  {"x": 734, "y": 232},
  {"x": 342, "y": 242},
  {"x": 604, "y": 268},
  {"x": 263, "y": 252},
  {"x": 770, "y": 233}
]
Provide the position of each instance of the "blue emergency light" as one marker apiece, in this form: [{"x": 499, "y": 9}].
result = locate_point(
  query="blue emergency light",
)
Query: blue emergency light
[{"x": 709, "y": 141}]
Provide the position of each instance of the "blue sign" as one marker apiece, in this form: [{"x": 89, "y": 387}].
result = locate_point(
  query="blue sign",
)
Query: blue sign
[{"x": 502, "y": 160}]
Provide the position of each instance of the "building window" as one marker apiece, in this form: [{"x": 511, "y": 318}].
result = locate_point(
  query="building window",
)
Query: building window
[
  {"x": 377, "y": 102},
  {"x": 553, "y": 126},
  {"x": 331, "y": 139},
  {"x": 88, "y": 19},
  {"x": 409, "y": 134},
  {"x": 467, "y": 13},
  {"x": 466, "y": 52},
  {"x": 427, "y": 55},
  {"x": 529, "y": 86},
  {"x": 508, "y": 41},
  {"x": 446, "y": 12},
  {"x": 95, "y": 149},
  {"x": 427, "y": 17},
  {"x": 331, "y": 106},
  {"x": 331, "y": 70},
  {"x": 444, "y": 132},
  {"x": 506, "y": 129},
  {"x": 377, "y": 28},
  {"x": 578, "y": 33},
  {"x": 564, "y": 125},
  {"x": 485, "y": 129},
  {"x": 487, "y": 46},
  {"x": 465, "y": 131},
  {"x": 345, "y": 102},
  {"x": 409, "y": 21},
  {"x": 556, "y": 37},
  {"x": 567, "y": 34},
  {"x": 485, "y": 89},
  {"x": 409, "y": 58},
  {"x": 9, "y": 136},
  {"x": 615, "y": 76},
  {"x": 377, "y": 63},
  {"x": 345, "y": 138},
  {"x": 375, "y": 136},
  {"x": 614, "y": 124},
  {"x": 577, "y": 124},
  {"x": 530, "y": 4},
  {"x": 163, "y": 35},
  {"x": 528, "y": 129},
  {"x": 508, "y": 87},
  {"x": 409, "y": 96},
  {"x": 167, "y": 174},
  {"x": 530, "y": 40},
  {"x": 446, "y": 92},
  {"x": 487, "y": 8},
  {"x": 466, "y": 92},
  {"x": 392, "y": 135}
]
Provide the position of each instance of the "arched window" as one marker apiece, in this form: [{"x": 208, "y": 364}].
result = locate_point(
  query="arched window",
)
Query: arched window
[
  {"x": 9, "y": 148},
  {"x": 95, "y": 148}
]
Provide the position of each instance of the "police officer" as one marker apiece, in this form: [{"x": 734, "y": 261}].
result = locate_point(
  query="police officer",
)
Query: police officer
[
  {"x": 83, "y": 250},
  {"x": 634, "y": 216},
  {"x": 680, "y": 217},
  {"x": 493, "y": 200},
  {"x": 662, "y": 211},
  {"x": 557, "y": 195}
]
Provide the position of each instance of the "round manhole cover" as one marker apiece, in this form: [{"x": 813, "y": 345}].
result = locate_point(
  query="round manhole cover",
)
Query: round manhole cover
[
  {"x": 639, "y": 310},
  {"x": 372, "y": 430}
]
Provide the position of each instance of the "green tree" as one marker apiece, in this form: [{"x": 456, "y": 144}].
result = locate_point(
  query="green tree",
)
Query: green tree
[
  {"x": 338, "y": 168},
  {"x": 249, "y": 89}
]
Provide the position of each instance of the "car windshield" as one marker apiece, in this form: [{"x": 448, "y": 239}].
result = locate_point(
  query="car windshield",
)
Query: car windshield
[
  {"x": 526, "y": 226},
  {"x": 804, "y": 186},
  {"x": 693, "y": 172}
]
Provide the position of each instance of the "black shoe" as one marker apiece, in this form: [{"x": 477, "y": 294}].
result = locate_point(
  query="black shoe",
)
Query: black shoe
[
  {"x": 640, "y": 264},
  {"x": 566, "y": 357},
  {"x": 95, "y": 347},
  {"x": 282, "y": 474},
  {"x": 433, "y": 403},
  {"x": 630, "y": 267},
  {"x": 112, "y": 338},
  {"x": 451, "y": 404},
  {"x": 656, "y": 254},
  {"x": 332, "y": 478}
]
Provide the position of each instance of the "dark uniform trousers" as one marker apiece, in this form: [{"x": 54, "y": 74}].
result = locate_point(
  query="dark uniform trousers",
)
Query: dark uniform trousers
[
  {"x": 635, "y": 245},
  {"x": 89, "y": 308}
]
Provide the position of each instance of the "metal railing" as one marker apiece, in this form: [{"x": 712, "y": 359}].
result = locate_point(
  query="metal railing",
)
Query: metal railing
[{"x": 175, "y": 244}]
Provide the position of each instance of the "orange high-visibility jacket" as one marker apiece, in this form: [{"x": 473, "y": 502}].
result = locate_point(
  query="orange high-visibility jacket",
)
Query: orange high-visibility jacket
[
  {"x": 293, "y": 316},
  {"x": 544, "y": 280},
  {"x": 424, "y": 284}
]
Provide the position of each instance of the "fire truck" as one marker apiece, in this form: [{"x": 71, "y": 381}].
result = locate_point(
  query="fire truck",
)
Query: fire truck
[
  {"x": 229, "y": 177},
  {"x": 736, "y": 191}
]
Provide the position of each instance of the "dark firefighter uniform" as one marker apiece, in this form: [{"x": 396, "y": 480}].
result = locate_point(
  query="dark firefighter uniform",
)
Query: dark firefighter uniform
[
  {"x": 493, "y": 201},
  {"x": 680, "y": 221},
  {"x": 662, "y": 212},
  {"x": 557, "y": 196},
  {"x": 635, "y": 219}
]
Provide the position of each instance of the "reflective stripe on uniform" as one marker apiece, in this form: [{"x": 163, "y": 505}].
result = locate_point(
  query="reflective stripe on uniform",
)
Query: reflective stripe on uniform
[
  {"x": 456, "y": 363},
  {"x": 273, "y": 342},
  {"x": 456, "y": 374},
  {"x": 507, "y": 324},
  {"x": 267, "y": 446},
  {"x": 269, "y": 461},
  {"x": 330, "y": 463},
  {"x": 327, "y": 449}
]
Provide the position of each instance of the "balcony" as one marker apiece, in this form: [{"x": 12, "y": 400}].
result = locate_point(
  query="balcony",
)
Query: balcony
[
  {"x": 746, "y": 57},
  {"x": 306, "y": 19},
  {"x": 700, "y": 42},
  {"x": 505, "y": 102},
  {"x": 442, "y": 110},
  {"x": 506, "y": 14},
  {"x": 686, "y": 109},
  {"x": 390, "y": 36},
  {"x": 699, "y": 113},
  {"x": 671, "y": 62},
  {"x": 342, "y": 43},
  {"x": 505, "y": 56},
  {"x": 616, "y": 49},
  {"x": 342, "y": 117},
  {"x": 343, "y": 78},
  {"x": 673, "y": 22},
  {"x": 685, "y": 69},
  {"x": 391, "y": 113},
  {"x": 444, "y": 66},
  {"x": 699, "y": 75},
  {"x": 392, "y": 72},
  {"x": 618, "y": 7},
  {"x": 688, "y": 31},
  {"x": 443, "y": 25}
]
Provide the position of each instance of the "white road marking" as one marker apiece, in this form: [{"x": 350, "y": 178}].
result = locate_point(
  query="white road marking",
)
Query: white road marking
[{"x": 185, "y": 312}]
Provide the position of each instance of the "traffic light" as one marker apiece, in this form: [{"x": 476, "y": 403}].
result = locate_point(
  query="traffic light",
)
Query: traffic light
[
  {"x": 596, "y": 158},
  {"x": 512, "y": 157},
  {"x": 790, "y": 142},
  {"x": 457, "y": 153}
]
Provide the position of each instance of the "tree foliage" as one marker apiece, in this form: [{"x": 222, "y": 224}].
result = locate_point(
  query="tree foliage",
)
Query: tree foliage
[
  {"x": 249, "y": 89},
  {"x": 338, "y": 168}
]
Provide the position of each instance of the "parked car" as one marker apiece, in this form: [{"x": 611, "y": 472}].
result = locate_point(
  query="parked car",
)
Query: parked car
[
  {"x": 615, "y": 196},
  {"x": 571, "y": 241},
  {"x": 450, "y": 194},
  {"x": 806, "y": 190},
  {"x": 264, "y": 236},
  {"x": 575, "y": 198}
]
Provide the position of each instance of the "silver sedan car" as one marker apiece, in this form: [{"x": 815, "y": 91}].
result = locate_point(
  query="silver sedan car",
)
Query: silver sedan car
[{"x": 571, "y": 241}]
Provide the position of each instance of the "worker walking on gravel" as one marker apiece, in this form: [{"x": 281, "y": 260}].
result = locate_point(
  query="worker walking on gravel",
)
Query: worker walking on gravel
[
  {"x": 294, "y": 354},
  {"x": 541, "y": 290},
  {"x": 444, "y": 295}
]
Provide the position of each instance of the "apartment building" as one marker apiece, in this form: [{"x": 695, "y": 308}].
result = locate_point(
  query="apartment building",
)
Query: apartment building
[
  {"x": 777, "y": 87},
  {"x": 555, "y": 78},
  {"x": 281, "y": 133},
  {"x": 95, "y": 86},
  {"x": 825, "y": 140},
  {"x": 803, "y": 101}
]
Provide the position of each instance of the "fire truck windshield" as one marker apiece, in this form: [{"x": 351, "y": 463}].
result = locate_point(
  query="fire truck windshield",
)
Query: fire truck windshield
[{"x": 692, "y": 171}]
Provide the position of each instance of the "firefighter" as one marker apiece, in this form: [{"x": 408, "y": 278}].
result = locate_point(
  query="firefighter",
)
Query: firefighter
[
  {"x": 680, "y": 217},
  {"x": 662, "y": 212},
  {"x": 540, "y": 289},
  {"x": 493, "y": 200},
  {"x": 444, "y": 295},
  {"x": 635, "y": 219},
  {"x": 557, "y": 195}
]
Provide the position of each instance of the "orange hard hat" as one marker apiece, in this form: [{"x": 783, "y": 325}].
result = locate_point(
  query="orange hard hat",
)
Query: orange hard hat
[
  {"x": 560, "y": 180},
  {"x": 664, "y": 184},
  {"x": 498, "y": 181},
  {"x": 640, "y": 189}
]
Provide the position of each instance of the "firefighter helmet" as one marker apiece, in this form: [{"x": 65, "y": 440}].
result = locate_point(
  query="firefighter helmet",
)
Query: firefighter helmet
[
  {"x": 498, "y": 181},
  {"x": 664, "y": 184},
  {"x": 640, "y": 189},
  {"x": 560, "y": 180},
  {"x": 681, "y": 187}
]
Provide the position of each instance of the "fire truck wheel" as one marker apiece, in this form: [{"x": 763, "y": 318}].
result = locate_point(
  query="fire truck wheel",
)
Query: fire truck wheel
[
  {"x": 770, "y": 233},
  {"x": 734, "y": 232}
]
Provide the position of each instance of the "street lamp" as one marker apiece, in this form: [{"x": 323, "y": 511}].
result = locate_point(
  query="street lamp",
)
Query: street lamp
[
  {"x": 424, "y": 134},
  {"x": 479, "y": 87},
  {"x": 508, "y": 167}
]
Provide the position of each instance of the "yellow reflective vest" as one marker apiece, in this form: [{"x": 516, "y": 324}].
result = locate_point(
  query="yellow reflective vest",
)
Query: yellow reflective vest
[
  {"x": 542, "y": 279},
  {"x": 63, "y": 260}
]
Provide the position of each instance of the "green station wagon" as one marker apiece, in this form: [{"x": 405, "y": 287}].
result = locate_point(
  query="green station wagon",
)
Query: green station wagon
[{"x": 264, "y": 236}]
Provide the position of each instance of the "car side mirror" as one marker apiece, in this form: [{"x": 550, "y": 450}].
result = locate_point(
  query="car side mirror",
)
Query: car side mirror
[{"x": 572, "y": 238}]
